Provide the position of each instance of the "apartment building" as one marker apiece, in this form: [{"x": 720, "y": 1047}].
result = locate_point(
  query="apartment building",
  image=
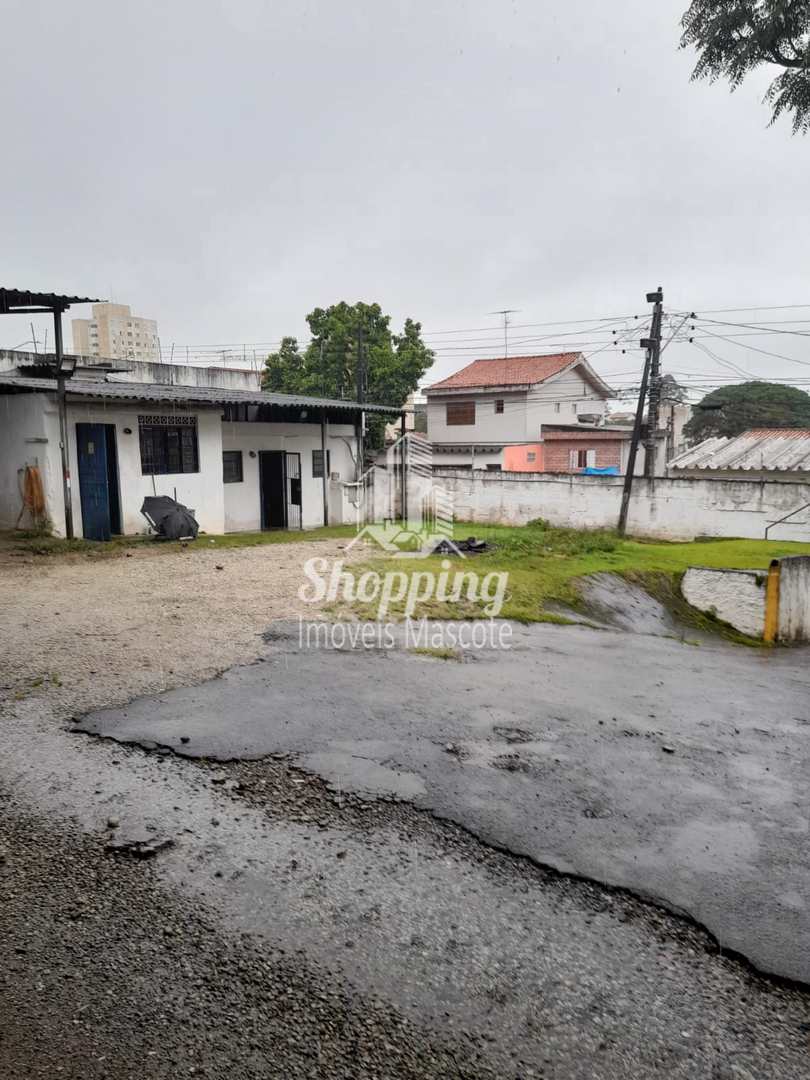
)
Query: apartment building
[{"x": 114, "y": 332}]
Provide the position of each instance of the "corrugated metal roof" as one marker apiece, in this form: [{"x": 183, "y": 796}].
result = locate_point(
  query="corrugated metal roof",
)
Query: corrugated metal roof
[
  {"x": 22, "y": 298},
  {"x": 758, "y": 450},
  {"x": 183, "y": 395}
]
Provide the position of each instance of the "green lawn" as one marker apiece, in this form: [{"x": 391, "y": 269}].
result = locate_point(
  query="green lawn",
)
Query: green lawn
[
  {"x": 544, "y": 564},
  {"x": 41, "y": 544}
]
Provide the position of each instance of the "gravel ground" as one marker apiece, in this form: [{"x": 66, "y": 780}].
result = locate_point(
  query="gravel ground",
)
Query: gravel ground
[
  {"x": 104, "y": 630},
  {"x": 385, "y": 943},
  {"x": 100, "y": 976}
]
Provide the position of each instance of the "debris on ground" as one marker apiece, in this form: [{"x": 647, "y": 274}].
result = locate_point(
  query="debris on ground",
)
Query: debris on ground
[
  {"x": 470, "y": 546},
  {"x": 139, "y": 849}
]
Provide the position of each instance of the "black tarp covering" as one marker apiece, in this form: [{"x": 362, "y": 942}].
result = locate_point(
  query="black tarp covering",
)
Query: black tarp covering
[{"x": 170, "y": 519}]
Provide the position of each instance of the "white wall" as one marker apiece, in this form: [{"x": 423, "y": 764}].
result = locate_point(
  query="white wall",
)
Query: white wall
[
  {"x": 794, "y": 598},
  {"x": 559, "y": 400},
  {"x": 569, "y": 391},
  {"x": 735, "y": 596},
  {"x": 201, "y": 491},
  {"x": 242, "y": 501},
  {"x": 670, "y": 509},
  {"x": 29, "y": 435}
]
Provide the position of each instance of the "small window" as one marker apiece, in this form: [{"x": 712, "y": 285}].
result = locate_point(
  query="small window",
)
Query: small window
[
  {"x": 531, "y": 455},
  {"x": 556, "y": 406},
  {"x": 232, "y": 467},
  {"x": 168, "y": 445},
  {"x": 317, "y": 464},
  {"x": 460, "y": 413},
  {"x": 574, "y": 407},
  {"x": 582, "y": 459},
  {"x": 499, "y": 405}
]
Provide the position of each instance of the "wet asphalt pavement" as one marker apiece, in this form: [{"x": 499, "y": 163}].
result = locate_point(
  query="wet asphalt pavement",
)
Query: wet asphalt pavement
[{"x": 676, "y": 771}]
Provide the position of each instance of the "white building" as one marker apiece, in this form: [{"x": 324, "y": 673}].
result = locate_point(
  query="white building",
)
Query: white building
[
  {"x": 241, "y": 459},
  {"x": 477, "y": 414},
  {"x": 115, "y": 333}
]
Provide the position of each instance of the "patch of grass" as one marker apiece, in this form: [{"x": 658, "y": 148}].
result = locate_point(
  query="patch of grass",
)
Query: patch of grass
[
  {"x": 545, "y": 563},
  {"x": 437, "y": 654},
  {"x": 33, "y": 542}
]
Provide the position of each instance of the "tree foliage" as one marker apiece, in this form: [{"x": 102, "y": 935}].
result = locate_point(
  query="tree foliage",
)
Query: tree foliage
[
  {"x": 392, "y": 364},
  {"x": 735, "y": 37},
  {"x": 731, "y": 410}
]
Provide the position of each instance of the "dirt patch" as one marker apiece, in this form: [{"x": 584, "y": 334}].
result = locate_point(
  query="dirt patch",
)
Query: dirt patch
[{"x": 88, "y": 633}]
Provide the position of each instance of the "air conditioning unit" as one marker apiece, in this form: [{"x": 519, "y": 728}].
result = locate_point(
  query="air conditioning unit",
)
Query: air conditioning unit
[{"x": 589, "y": 418}]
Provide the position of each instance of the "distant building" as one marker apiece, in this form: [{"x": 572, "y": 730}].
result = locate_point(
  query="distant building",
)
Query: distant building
[
  {"x": 415, "y": 410},
  {"x": 115, "y": 333},
  {"x": 493, "y": 413}
]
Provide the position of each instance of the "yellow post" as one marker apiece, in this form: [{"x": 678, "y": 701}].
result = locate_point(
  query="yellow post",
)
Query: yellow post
[{"x": 772, "y": 602}]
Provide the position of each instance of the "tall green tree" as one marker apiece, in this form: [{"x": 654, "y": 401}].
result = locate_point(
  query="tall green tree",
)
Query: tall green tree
[
  {"x": 392, "y": 364},
  {"x": 730, "y": 410},
  {"x": 735, "y": 37}
]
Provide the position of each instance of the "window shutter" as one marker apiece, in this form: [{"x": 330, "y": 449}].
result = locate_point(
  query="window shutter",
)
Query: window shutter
[
  {"x": 591, "y": 459},
  {"x": 572, "y": 459}
]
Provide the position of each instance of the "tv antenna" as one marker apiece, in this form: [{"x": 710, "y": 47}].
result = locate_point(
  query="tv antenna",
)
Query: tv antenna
[{"x": 505, "y": 313}]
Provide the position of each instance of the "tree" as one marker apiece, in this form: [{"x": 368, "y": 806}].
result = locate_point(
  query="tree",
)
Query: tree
[
  {"x": 735, "y": 37},
  {"x": 283, "y": 370},
  {"x": 392, "y": 364},
  {"x": 731, "y": 410}
]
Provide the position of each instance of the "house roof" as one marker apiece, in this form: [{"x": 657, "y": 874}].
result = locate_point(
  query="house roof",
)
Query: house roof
[
  {"x": 181, "y": 395},
  {"x": 16, "y": 300},
  {"x": 760, "y": 450},
  {"x": 518, "y": 371}
]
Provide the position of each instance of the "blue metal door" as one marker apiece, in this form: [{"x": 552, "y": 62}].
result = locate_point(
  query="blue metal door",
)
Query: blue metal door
[{"x": 93, "y": 484}]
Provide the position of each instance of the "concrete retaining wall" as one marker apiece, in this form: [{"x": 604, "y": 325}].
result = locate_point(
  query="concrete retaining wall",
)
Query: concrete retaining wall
[
  {"x": 739, "y": 597},
  {"x": 735, "y": 596},
  {"x": 794, "y": 599},
  {"x": 664, "y": 508}
]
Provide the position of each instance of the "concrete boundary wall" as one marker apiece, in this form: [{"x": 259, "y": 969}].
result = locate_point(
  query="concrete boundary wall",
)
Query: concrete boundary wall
[
  {"x": 735, "y": 596},
  {"x": 794, "y": 598},
  {"x": 743, "y": 598},
  {"x": 665, "y": 508}
]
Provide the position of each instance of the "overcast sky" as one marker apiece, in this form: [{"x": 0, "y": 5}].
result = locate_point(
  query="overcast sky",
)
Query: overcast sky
[{"x": 225, "y": 167}]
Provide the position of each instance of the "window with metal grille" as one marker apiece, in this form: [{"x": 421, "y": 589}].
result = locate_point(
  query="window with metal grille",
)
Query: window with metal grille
[
  {"x": 460, "y": 413},
  {"x": 168, "y": 445},
  {"x": 317, "y": 464},
  {"x": 232, "y": 467},
  {"x": 499, "y": 405}
]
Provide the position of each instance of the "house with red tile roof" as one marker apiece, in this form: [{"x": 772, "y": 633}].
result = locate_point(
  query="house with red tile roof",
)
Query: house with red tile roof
[{"x": 492, "y": 413}]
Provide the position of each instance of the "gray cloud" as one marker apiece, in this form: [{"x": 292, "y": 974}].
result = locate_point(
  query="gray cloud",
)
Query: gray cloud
[{"x": 224, "y": 167}]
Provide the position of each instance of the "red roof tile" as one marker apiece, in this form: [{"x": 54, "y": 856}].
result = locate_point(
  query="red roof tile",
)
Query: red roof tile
[{"x": 511, "y": 371}]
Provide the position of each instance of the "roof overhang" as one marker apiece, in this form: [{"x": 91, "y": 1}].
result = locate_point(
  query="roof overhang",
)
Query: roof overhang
[
  {"x": 212, "y": 396},
  {"x": 24, "y": 302}
]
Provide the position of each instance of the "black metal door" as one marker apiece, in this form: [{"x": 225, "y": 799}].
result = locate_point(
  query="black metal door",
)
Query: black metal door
[{"x": 272, "y": 489}]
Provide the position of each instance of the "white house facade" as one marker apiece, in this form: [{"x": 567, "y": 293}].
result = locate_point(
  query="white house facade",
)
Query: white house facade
[
  {"x": 490, "y": 405},
  {"x": 242, "y": 460}
]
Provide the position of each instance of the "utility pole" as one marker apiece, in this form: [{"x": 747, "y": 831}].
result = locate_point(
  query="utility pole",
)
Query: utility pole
[
  {"x": 652, "y": 344},
  {"x": 61, "y": 399},
  {"x": 360, "y": 383},
  {"x": 654, "y": 347},
  {"x": 359, "y": 372}
]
